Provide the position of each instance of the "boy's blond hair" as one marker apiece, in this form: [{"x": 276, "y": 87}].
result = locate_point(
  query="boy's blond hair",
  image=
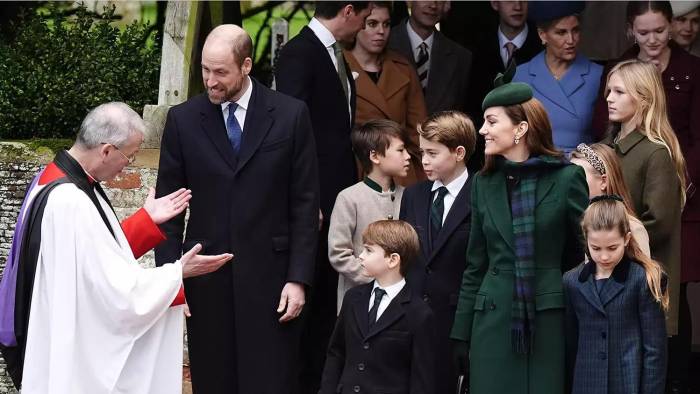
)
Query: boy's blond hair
[
  {"x": 450, "y": 128},
  {"x": 394, "y": 236}
]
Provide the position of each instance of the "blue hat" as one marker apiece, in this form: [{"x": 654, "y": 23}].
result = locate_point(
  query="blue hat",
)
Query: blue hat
[{"x": 545, "y": 11}]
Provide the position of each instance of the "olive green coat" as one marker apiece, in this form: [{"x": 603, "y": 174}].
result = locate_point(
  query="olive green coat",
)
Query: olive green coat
[
  {"x": 656, "y": 195},
  {"x": 483, "y": 315}
]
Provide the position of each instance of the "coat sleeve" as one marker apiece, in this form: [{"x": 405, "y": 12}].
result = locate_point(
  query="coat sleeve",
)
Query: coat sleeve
[
  {"x": 660, "y": 199},
  {"x": 171, "y": 177},
  {"x": 423, "y": 357},
  {"x": 341, "y": 252},
  {"x": 653, "y": 338},
  {"x": 141, "y": 232},
  {"x": 577, "y": 202},
  {"x": 477, "y": 264},
  {"x": 335, "y": 357},
  {"x": 304, "y": 202}
]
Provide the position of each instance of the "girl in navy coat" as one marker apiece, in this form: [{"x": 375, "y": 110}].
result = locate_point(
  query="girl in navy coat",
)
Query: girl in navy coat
[{"x": 616, "y": 335}]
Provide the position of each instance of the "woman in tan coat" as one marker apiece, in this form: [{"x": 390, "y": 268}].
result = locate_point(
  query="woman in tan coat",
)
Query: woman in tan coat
[{"x": 387, "y": 84}]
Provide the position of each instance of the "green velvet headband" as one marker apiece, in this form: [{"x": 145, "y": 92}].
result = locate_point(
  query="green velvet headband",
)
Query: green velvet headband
[{"x": 506, "y": 92}]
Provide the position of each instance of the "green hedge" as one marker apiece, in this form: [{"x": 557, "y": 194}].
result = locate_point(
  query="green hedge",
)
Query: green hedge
[{"x": 59, "y": 67}]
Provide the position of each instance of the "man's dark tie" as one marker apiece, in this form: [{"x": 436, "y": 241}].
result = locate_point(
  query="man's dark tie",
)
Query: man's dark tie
[
  {"x": 342, "y": 71},
  {"x": 233, "y": 129},
  {"x": 379, "y": 293},
  {"x": 437, "y": 210},
  {"x": 510, "y": 49},
  {"x": 422, "y": 64}
]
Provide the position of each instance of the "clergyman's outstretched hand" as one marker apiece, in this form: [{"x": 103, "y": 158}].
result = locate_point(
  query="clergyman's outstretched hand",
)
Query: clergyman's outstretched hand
[{"x": 194, "y": 264}]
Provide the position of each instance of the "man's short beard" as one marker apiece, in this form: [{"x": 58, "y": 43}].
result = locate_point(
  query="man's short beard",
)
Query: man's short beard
[{"x": 228, "y": 95}]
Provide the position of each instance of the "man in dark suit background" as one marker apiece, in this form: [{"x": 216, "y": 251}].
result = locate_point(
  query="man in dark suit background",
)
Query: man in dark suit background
[
  {"x": 442, "y": 65},
  {"x": 513, "y": 38},
  {"x": 311, "y": 67},
  {"x": 248, "y": 155}
]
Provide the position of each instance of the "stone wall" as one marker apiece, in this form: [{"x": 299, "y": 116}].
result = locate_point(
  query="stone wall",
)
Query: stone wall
[{"x": 18, "y": 164}]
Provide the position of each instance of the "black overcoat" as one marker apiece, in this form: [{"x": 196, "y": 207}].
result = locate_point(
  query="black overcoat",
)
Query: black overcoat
[{"x": 261, "y": 206}]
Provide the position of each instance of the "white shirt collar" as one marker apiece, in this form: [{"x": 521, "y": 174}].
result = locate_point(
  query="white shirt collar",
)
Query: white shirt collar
[
  {"x": 416, "y": 40},
  {"x": 322, "y": 32},
  {"x": 393, "y": 290},
  {"x": 519, "y": 40},
  {"x": 244, "y": 100},
  {"x": 455, "y": 186}
]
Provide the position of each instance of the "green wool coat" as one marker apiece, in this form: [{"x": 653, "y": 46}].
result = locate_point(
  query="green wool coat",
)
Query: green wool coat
[
  {"x": 656, "y": 196},
  {"x": 483, "y": 315}
]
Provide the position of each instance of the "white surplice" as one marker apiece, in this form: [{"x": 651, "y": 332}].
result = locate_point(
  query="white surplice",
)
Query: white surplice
[{"x": 99, "y": 323}]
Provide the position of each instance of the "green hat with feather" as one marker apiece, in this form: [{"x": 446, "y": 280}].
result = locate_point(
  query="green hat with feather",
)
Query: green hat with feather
[{"x": 506, "y": 92}]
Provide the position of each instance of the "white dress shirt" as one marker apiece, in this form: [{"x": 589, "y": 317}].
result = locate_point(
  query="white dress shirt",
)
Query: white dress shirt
[
  {"x": 519, "y": 41},
  {"x": 453, "y": 189},
  {"x": 242, "y": 108},
  {"x": 391, "y": 292},
  {"x": 327, "y": 39},
  {"x": 416, "y": 40}
]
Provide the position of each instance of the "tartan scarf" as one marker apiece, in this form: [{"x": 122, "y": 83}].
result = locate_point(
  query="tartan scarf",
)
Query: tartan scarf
[{"x": 522, "y": 207}]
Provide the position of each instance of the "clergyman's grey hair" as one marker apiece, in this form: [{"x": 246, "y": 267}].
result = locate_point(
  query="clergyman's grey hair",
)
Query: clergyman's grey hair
[{"x": 110, "y": 123}]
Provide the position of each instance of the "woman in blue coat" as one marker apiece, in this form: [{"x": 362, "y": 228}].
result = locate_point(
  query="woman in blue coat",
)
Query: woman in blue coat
[{"x": 564, "y": 81}]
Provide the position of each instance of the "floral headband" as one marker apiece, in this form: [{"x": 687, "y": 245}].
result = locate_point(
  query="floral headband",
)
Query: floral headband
[{"x": 591, "y": 157}]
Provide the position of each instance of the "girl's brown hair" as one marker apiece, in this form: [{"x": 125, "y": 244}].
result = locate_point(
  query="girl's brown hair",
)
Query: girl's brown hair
[
  {"x": 539, "y": 133},
  {"x": 609, "y": 214}
]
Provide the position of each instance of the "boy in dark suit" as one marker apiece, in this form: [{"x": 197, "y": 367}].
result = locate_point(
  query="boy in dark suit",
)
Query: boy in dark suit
[
  {"x": 440, "y": 211},
  {"x": 384, "y": 337}
]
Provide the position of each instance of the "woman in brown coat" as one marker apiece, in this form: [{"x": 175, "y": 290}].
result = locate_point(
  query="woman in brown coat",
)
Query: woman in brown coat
[{"x": 387, "y": 84}]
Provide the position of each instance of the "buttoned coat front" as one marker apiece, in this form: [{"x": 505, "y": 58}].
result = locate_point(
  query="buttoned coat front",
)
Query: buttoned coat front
[
  {"x": 616, "y": 339},
  {"x": 395, "y": 356},
  {"x": 569, "y": 101},
  {"x": 484, "y": 311},
  {"x": 655, "y": 190}
]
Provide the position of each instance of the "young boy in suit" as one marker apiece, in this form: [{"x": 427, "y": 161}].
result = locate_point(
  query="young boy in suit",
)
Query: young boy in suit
[
  {"x": 384, "y": 337},
  {"x": 440, "y": 210},
  {"x": 380, "y": 150}
]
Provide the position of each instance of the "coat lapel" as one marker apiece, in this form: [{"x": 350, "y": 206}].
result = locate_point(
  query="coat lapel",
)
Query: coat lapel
[
  {"x": 366, "y": 88},
  {"x": 361, "y": 310},
  {"x": 546, "y": 85},
  {"x": 392, "y": 80},
  {"x": 392, "y": 313},
  {"x": 587, "y": 286},
  {"x": 257, "y": 124},
  {"x": 616, "y": 283},
  {"x": 423, "y": 200},
  {"x": 544, "y": 185},
  {"x": 212, "y": 121},
  {"x": 499, "y": 210},
  {"x": 574, "y": 77},
  {"x": 460, "y": 209}
]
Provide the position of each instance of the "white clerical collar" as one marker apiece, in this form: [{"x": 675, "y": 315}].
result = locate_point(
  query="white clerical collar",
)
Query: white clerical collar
[
  {"x": 244, "y": 100},
  {"x": 416, "y": 40},
  {"x": 519, "y": 40},
  {"x": 322, "y": 32},
  {"x": 455, "y": 186},
  {"x": 393, "y": 290}
]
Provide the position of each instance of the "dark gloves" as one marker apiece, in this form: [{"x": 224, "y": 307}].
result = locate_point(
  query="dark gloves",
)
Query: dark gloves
[{"x": 460, "y": 356}]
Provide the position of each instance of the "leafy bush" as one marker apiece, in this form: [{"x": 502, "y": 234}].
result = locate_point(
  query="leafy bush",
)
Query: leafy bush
[{"x": 59, "y": 67}]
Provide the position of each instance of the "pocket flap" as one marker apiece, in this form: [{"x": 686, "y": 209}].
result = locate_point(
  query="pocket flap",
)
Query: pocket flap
[
  {"x": 479, "y": 302},
  {"x": 280, "y": 244},
  {"x": 549, "y": 301}
]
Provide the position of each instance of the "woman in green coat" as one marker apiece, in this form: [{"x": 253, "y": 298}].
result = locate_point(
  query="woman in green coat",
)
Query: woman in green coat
[{"x": 526, "y": 206}]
